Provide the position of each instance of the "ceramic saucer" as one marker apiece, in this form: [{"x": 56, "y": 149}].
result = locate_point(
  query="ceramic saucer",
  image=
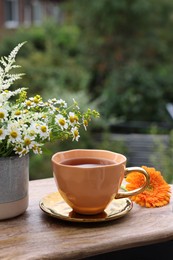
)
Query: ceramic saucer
[{"x": 54, "y": 205}]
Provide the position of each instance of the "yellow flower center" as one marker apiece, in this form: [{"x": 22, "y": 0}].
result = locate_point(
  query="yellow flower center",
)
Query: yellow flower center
[
  {"x": 28, "y": 103},
  {"x": 72, "y": 119},
  {"x": 24, "y": 151},
  {"x": 19, "y": 149},
  {"x": 62, "y": 121},
  {"x": 43, "y": 129},
  {"x": 2, "y": 115},
  {"x": 1, "y": 132},
  {"x": 85, "y": 122},
  {"x": 36, "y": 148},
  {"x": 13, "y": 134},
  {"x": 32, "y": 132},
  {"x": 17, "y": 113},
  {"x": 76, "y": 118},
  {"x": 27, "y": 141},
  {"x": 76, "y": 133}
]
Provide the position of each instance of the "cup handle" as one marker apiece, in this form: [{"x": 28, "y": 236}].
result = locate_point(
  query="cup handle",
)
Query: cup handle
[{"x": 126, "y": 194}]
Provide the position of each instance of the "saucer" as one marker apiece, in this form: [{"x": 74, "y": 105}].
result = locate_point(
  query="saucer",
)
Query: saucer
[{"x": 54, "y": 206}]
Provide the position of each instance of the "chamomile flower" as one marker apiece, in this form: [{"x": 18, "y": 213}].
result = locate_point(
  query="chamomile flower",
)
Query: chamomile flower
[
  {"x": 72, "y": 118},
  {"x": 17, "y": 113},
  {"x": 85, "y": 123},
  {"x": 4, "y": 96},
  {"x": 3, "y": 133},
  {"x": 44, "y": 117},
  {"x": 32, "y": 130},
  {"x": 28, "y": 141},
  {"x": 44, "y": 131},
  {"x": 61, "y": 121},
  {"x": 75, "y": 133},
  {"x": 14, "y": 132},
  {"x": 28, "y": 103},
  {"x": 37, "y": 149},
  {"x": 3, "y": 114},
  {"x": 53, "y": 101},
  {"x": 62, "y": 103},
  {"x": 21, "y": 151}
]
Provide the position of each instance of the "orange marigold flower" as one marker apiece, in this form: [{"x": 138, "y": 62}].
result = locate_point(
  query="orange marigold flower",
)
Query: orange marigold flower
[{"x": 157, "y": 194}]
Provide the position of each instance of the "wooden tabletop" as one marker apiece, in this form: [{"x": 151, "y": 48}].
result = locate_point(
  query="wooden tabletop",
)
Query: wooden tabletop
[{"x": 35, "y": 235}]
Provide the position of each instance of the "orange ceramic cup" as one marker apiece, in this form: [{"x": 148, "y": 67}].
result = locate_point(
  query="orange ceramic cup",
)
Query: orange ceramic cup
[{"x": 88, "y": 180}]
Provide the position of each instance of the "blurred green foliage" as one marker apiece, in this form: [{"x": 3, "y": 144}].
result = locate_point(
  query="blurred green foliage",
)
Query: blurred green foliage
[{"x": 128, "y": 45}]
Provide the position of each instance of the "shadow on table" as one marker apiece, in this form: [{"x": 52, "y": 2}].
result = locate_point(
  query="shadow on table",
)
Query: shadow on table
[{"x": 156, "y": 251}]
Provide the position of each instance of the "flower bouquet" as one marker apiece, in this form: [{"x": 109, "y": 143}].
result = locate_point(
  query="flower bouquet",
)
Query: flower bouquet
[{"x": 26, "y": 124}]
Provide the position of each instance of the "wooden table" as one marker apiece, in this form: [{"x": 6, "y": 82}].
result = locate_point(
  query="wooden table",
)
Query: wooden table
[{"x": 34, "y": 235}]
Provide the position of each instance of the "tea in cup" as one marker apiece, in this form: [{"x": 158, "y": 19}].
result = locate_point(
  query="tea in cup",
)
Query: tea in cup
[{"x": 89, "y": 179}]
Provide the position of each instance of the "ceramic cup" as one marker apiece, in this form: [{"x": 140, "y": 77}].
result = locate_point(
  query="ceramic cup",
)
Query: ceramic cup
[{"x": 88, "y": 180}]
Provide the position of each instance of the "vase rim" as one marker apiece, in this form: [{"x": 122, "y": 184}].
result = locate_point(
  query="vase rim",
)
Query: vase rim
[{"x": 12, "y": 157}]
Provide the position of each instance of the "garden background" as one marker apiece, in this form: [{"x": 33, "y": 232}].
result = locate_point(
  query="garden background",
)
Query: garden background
[{"x": 113, "y": 56}]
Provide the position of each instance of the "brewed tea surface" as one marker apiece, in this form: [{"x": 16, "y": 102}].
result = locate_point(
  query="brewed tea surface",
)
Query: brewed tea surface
[{"x": 87, "y": 162}]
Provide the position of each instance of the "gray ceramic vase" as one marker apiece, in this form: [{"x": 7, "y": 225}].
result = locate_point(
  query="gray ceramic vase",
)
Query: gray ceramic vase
[{"x": 14, "y": 181}]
